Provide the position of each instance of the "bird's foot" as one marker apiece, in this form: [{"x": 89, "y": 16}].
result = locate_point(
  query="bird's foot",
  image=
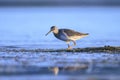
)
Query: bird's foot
[{"x": 69, "y": 48}]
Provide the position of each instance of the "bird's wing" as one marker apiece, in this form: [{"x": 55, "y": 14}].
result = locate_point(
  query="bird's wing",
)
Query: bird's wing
[
  {"x": 62, "y": 32},
  {"x": 72, "y": 32}
]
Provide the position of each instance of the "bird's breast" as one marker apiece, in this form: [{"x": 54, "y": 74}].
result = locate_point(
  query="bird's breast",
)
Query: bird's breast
[{"x": 61, "y": 37}]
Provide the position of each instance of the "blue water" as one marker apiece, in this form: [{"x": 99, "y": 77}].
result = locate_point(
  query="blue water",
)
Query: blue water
[
  {"x": 59, "y": 66},
  {"x": 27, "y": 27}
]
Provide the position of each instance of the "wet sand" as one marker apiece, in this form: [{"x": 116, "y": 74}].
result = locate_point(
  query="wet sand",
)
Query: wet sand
[{"x": 106, "y": 49}]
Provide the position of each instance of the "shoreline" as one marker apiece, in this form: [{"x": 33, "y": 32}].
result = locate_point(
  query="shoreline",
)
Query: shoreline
[{"x": 106, "y": 49}]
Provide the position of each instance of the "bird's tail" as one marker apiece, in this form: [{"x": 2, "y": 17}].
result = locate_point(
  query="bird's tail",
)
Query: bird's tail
[{"x": 86, "y": 34}]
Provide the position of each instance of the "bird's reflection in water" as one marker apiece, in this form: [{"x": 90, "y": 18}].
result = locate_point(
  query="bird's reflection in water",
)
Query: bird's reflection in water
[
  {"x": 55, "y": 70},
  {"x": 74, "y": 68}
]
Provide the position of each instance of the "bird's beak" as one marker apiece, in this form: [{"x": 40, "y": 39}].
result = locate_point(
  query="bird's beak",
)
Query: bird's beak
[{"x": 48, "y": 33}]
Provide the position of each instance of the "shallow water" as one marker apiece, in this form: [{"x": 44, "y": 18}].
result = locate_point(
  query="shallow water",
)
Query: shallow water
[{"x": 59, "y": 66}]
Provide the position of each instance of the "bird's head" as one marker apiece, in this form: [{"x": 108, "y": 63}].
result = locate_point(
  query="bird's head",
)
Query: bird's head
[{"x": 53, "y": 29}]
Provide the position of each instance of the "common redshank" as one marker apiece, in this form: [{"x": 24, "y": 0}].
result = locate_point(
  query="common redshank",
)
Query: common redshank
[{"x": 67, "y": 35}]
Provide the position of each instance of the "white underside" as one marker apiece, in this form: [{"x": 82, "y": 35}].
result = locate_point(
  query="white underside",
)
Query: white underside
[{"x": 74, "y": 38}]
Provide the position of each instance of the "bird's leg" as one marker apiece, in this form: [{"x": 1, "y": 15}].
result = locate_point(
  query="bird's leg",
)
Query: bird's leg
[
  {"x": 69, "y": 47},
  {"x": 74, "y": 43}
]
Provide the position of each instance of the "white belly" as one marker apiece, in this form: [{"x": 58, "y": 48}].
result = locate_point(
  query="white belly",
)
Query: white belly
[{"x": 74, "y": 38}]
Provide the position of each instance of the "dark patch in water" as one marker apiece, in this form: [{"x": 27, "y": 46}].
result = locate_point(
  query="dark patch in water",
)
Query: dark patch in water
[{"x": 9, "y": 47}]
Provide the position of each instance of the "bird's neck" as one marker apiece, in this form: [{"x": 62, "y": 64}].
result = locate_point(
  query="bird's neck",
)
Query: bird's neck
[{"x": 56, "y": 31}]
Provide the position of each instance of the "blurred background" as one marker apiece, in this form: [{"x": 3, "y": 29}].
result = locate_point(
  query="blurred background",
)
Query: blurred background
[
  {"x": 25, "y": 22},
  {"x": 59, "y": 3}
]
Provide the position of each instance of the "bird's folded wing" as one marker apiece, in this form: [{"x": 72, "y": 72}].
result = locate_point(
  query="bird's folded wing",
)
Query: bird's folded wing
[{"x": 72, "y": 32}]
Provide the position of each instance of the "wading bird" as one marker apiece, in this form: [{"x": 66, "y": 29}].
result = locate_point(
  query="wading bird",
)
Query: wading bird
[{"x": 67, "y": 35}]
